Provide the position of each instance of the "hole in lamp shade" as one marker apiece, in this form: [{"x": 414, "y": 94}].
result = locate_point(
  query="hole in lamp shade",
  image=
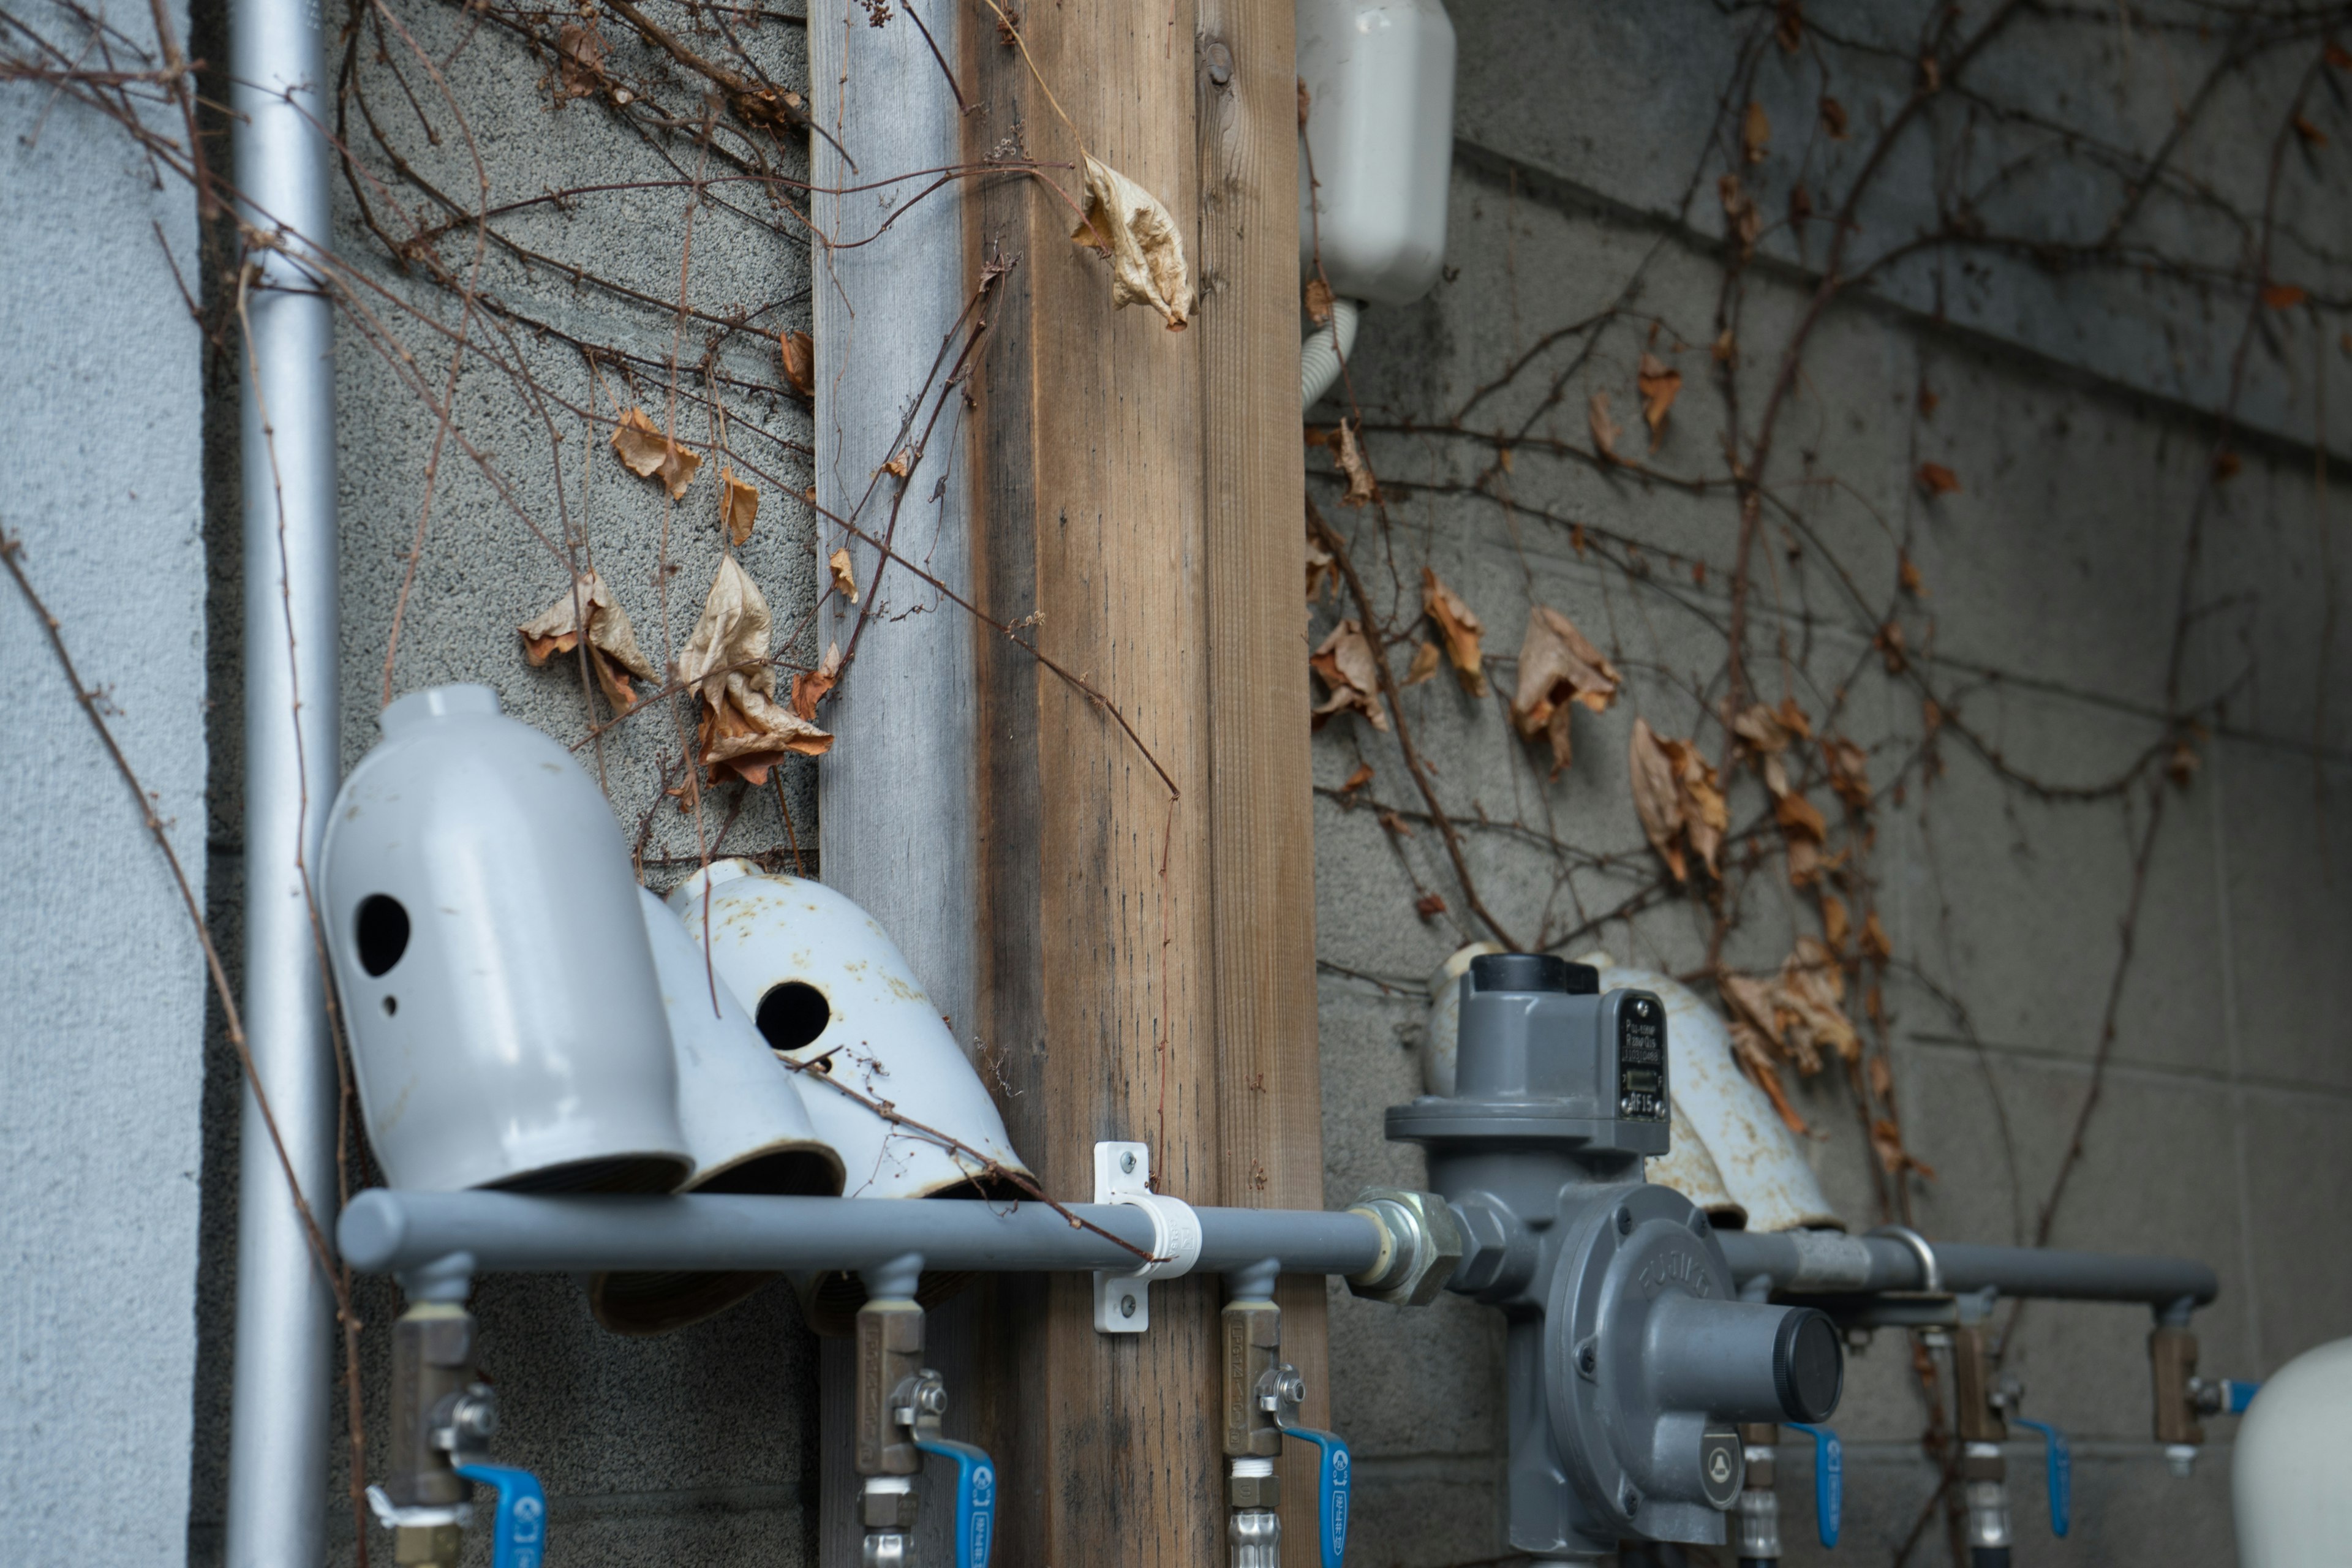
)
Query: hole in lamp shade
[
  {"x": 793, "y": 1014},
  {"x": 382, "y": 931}
]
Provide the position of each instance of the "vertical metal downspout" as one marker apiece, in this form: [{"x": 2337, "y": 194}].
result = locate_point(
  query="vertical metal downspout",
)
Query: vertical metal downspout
[{"x": 277, "y": 1492}]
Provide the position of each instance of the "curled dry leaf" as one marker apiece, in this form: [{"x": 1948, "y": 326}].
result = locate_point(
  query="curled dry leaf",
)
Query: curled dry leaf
[
  {"x": 903, "y": 464},
  {"x": 1886, "y": 1143},
  {"x": 1810, "y": 1001},
  {"x": 800, "y": 361},
  {"x": 1679, "y": 800},
  {"x": 739, "y": 505},
  {"x": 1357, "y": 780},
  {"x": 1318, "y": 300},
  {"x": 579, "y": 59},
  {"x": 1126, "y": 225},
  {"x": 1849, "y": 767},
  {"x": 649, "y": 454},
  {"x": 1890, "y": 645},
  {"x": 1425, "y": 660},
  {"x": 1799, "y": 817},
  {"x": 745, "y": 729},
  {"x": 1658, "y": 383},
  {"x": 1321, "y": 570},
  {"x": 1907, "y": 571},
  {"x": 1344, "y": 664},
  {"x": 1605, "y": 430},
  {"x": 1429, "y": 906},
  {"x": 613, "y": 648},
  {"x": 810, "y": 686},
  {"x": 1755, "y": 132},
  {"x": 1938, "y": 479},
  {"x": 1833, "y": 118},
  {"x": 1739, "y": 207},
  {"x": 1835, "y": 923},
  {"x": 1558, "y": 669},
  {"x": 1362, "y": 487},
  {"x": 845, "y": 579},
  {"x": 1875, "y": 945},
  {"x": 1462, "y": 629}
]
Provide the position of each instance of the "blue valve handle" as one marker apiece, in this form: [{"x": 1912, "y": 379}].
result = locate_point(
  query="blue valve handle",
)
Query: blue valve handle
[
  {"x": 520, "y": 1529},
  {"x": 2237, "y": 1396},
  {"x": 1829, "y": 1479},
  {"x": 975, "y": 1506},
  {"x": 1331, "y": 1490},
  {"x": 2062, "y": 1471}
]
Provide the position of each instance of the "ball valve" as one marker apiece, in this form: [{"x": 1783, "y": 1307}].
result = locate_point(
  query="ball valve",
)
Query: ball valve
[
  {"x": 506, "y": 1027},
  {"x": 1630, "y": 1360}
]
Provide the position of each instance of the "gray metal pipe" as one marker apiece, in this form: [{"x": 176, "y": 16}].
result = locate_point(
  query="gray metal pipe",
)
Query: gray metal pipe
[
  {"x": 384, "y": 1230},
  {"x": 278, "y": 1444},
  {"x": 1823, "y": 1263}
]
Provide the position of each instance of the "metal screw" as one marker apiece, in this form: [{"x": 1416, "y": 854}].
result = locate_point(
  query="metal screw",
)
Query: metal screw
[
  {"x": 1126, "y": 1163},
  {"x": 1587, "y": 1359},
  {"x": 1624, "y": 1222},
  {"x": 1699, "y": 1223},
  {"x": 1633, "y": 1500},
  {"x": 1127, "y": 1303}
]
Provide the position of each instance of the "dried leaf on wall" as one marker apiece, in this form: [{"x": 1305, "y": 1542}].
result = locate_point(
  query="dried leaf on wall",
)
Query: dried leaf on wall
[
  {"x": 1425, "y": 660},
  {"x": 845, "y": 578},
  {"x": 739, "y": 505},
  {"x": 810, "y": 686},
  {"x": 1462, "y": 629},
  {"x": 611, "y": 641},
  {"x": 650, "y": 453},
  {"x": 1362, "y": 487},
  {"x": 1811, "y": 1002},
  {"x": 1126, "y": 225},
  {"x": 1849, "y": 768},
  {"x": 1357, "y": 780},
  {"x": 579, "y": 59},
  {"x": 1558, "y": 669},
  {"x": 1755, "y": 132},
  {"x": 1318, "y": 300},
  {"x": 1321, "y": 570},
  {"x": 800, "y": 361},
  {"x": 1344, "y": 664},
  {"x": 1605, "y": 430},
  {"x": 1658, "y": 383},
  {"x": 1938, "y": 479},
  {"x": 744, "y": 730},
  {"x": 1678, "y": 799}
]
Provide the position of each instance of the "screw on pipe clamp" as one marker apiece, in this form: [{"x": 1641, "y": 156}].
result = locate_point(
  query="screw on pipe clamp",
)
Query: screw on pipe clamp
[{"x": 1123, "y": 1175}]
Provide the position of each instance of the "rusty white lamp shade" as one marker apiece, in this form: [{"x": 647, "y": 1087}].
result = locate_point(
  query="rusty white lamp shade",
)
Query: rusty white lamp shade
[{"x": 506, "y": 1027}]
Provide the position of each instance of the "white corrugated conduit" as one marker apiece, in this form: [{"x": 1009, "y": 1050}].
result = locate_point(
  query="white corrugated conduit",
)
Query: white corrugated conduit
[{"x": 1327, "y": 348}]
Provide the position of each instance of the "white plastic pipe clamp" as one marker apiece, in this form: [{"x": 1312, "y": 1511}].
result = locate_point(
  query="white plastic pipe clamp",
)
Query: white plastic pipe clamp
[{"x": 1123, "y": 1175}]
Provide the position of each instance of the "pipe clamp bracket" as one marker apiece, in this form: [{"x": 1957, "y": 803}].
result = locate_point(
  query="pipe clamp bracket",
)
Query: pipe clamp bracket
[{"x": 1123, "y": 1175}]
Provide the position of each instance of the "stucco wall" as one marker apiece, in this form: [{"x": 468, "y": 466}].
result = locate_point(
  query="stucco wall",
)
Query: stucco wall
[{"x": 102, "y": 992}]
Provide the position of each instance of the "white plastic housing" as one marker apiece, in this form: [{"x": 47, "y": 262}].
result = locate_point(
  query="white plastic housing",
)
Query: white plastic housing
[
  {"x": 826, "y": 985},
  {"x": 2291, "y": 1471},
  {"x": 744, "y": 1124},
  {"x": 506, "y": 1027},
  {"x": 1381, "y": 128}
]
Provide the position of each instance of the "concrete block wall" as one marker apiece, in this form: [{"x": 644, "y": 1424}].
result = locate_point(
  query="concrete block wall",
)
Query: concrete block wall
[{"x": 2077, "y": 409}]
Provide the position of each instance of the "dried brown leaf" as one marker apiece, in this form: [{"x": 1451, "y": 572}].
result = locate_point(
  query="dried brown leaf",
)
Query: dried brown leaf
[
  {"x": 1126, "y": 225},
  {"x": 1605, "y": 430},
  {"x": 2283, "y": 295},
  {"x": 1705, "y": 814},
  {"x": 1558, "y": 669},
  {"x": 1810, "y": 999},
  {"x": 739, "y": 505},
  {"x": 1938, "y": 479},
  {"x": 1875, "y": 945},
  {"x": 810, "y": 686},
  {"x": 1747, "y": 223},
  {"x": 1835, "y": 926},
  {"x": 903, "y": 464},
  {"x": 800, "y": 361},
  {"x": 1789, "y": 27},
  {"x": 1755, "y": 132},
  {"x": 1462, "y": 629},
  {"x": 1429, "y": 906},
  {"x": 1886, "y": 1143},
  {"x": 611, "y": 641},
  {"x": 1799, "y": 817},
  {"x": 1890, "y": 645},
  {"x": 1362, "y": 487},
  {"x": 1726, "y": 347},
  {"x": 1425, "y": 660},
  {"x": 845, "y": 577},
  {"x": 1833, "y": 118},
  {"x": 1321, "y": 570},
  {"x": 1357, "y": 780},
  {"x": 1318, "y": 300},
  {"x": 649, "y": 454},
  {"x": 1658, "y": 382},
  {"x": 1345, "y": 665},
  {"x": 580, "y": 59},
  {"x": 744, "y": 730},
  {"x": 1849, "y": 767},
  {"x": 1907, "y": 571}
]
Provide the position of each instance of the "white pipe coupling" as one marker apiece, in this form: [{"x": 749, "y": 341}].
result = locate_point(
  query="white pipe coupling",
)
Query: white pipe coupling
[{"x": 1123, "y": 1175}]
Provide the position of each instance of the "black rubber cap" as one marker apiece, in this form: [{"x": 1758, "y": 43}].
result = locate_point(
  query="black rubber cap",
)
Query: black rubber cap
[
  {"x": 1808, "y": 1366},
  {"x": 1533, "y": 971}
]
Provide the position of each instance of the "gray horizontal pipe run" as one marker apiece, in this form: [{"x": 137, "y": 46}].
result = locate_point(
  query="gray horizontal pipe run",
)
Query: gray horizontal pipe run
[
  {"x": 1799, "y": 1269},
  {"x": 390, "y": 1231}
]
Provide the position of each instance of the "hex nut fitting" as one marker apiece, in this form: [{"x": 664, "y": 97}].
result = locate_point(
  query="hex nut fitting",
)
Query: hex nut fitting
[
  {"x": 1424, "y": 1247},
  {"x": 1254, "y": 1491}
]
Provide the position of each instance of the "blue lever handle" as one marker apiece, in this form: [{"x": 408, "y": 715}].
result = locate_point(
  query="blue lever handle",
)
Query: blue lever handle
[
  {"x": 2237, "y": 1396},
  {"x": 975, "y": 1507},
  {"x": 1331, "y": 1491},
  {"x": 520, "y": 1529},
  {"x": 1829, "y": 1479},
  {"x": 2062, "y": 1471}
]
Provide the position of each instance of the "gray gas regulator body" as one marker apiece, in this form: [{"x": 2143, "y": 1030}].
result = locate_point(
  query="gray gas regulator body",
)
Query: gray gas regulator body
[{"x": 1630, "y": 1360}]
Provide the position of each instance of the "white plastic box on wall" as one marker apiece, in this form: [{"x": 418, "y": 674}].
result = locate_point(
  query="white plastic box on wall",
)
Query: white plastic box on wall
[{"x": 1380, "y": 131}]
